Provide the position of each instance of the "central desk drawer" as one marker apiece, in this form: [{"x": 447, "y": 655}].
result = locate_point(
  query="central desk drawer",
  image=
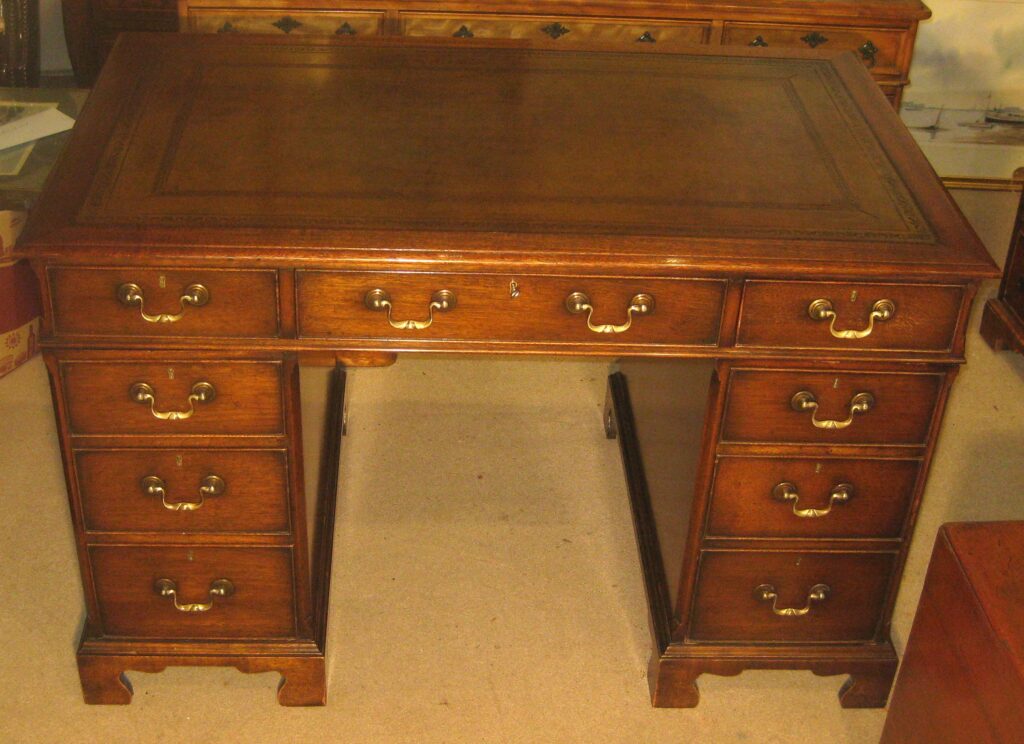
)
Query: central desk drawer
[
  {"x": 815, "y": 407},
  {"x": 779, "y": 597},
  {"x": 184, "y": 490},
  {"x": 144, "y": 592},
  {"x": 525, "y": 309},
  {"x": 173, "y": 397}
]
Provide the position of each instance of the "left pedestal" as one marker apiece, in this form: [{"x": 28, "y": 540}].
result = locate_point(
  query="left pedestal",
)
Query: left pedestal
[{"x": 195, "y": 540}]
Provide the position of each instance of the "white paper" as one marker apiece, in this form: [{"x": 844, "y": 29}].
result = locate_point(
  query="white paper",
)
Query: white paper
[{"x": 33, "y": 127}]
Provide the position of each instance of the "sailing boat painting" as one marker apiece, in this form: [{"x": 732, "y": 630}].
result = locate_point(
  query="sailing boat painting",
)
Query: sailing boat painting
[{"x": 967, "y": 87}]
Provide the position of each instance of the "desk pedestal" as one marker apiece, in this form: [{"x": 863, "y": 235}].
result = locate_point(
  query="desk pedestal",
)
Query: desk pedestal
[{"x": 773, "y": 546}]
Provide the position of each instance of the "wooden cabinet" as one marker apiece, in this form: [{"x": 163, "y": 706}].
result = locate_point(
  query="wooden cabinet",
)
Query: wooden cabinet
[
  {"x": 1002, "y": 325},
  {"x": 355, "y": 212},
  {"x": 962, "y": 677},
  {"x": 879, "y": 32}
]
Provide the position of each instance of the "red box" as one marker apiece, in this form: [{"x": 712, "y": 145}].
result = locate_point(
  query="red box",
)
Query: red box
[{"x": 19, "y": 299}]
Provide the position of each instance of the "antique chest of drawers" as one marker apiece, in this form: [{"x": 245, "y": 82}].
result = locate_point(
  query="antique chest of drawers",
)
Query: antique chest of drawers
[
  {"x": 231, "y": 207},
  {"x": 962, "y": 677},
  {"x": 880, "y": 32}
]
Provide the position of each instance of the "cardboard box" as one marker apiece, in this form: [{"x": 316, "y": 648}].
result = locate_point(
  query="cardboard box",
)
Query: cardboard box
[
  {"x": 19, "y": 298},
  {"x": 11, "y": 222}
]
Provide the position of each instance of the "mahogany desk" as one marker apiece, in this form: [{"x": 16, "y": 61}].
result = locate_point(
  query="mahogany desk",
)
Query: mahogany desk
[{"x": 231, "y": 208}]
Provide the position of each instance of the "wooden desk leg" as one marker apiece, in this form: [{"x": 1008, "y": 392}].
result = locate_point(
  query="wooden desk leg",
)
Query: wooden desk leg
[{"x": 104, "y": 679}]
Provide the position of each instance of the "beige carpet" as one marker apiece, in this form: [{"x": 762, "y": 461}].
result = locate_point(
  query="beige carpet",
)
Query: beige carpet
[{"x": 486, "y": 586}]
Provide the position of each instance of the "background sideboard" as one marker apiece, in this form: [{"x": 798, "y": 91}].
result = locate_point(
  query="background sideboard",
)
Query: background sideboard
[{"x": 880, "y": 32}]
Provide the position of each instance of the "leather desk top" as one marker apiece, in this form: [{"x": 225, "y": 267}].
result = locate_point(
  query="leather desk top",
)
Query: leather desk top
[{"x": 262, "y": 149}]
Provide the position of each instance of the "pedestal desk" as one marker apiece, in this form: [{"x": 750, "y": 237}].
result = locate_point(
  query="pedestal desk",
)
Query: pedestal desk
[{"x": 232, "y": 207}]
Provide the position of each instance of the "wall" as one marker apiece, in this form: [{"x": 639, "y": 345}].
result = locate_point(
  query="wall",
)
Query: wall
[
  {"x": 53, "y": 51},
  {"x": 969, "y": 50}
]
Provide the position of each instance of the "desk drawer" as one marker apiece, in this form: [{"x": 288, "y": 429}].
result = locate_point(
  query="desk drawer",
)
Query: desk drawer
[
  {"x": 177, "y": 302},
  {"x": 880, "y": 49},
  {"x": 816, "y": 315},
  {"x": 340, "y": 23},
  {"x": 814, "y": 407},
  {"x": 565, "y": 29},
  {"x": 734, "y": 597},
  {"x": 173, "y": 397},
  {"x": 334, "y": 305},
  {"x": 184, "y": 490},
  {"x": 257, "y": 602},
  {"x": 815, "y": 498}
]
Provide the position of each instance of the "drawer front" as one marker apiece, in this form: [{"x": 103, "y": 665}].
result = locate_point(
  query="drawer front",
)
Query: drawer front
[
  {"x": 878, "y": 48},
  {"x": 334, "y": 305},
  {"x": 109, "y": 397},
  {"x": 798, "y": 497},
  {"x": 186, "y": 490},
  {"x": 258, "y": 602},
  {"x": 564, "y": 29},
  {"x": 163, "y": 302},
  {"x": 740, "y": 595},
  {"x": 763, "y": 405},
  {"x": 285, "y": 21},
  {"x": 819, "y": 315}
]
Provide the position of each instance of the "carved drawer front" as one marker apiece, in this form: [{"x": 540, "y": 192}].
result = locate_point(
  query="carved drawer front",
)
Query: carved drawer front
[
  {"x": 426, "y": 307},
  {"x": 173, "y": 397},
  {"x": 194, "y": 592},
  {"x": 805, "y": 497},
  {"x": 814, "y": 407},
  {"x": 880, "y": 49},
  {"x": 565, "y": 29},
  {"x": 184, "y": 490},
  {"x": 163, "y": 302},
  {"x": 780, "y": 597},
  {"x": 854, "y": 317},
  {"x": 342, "y": 23}
]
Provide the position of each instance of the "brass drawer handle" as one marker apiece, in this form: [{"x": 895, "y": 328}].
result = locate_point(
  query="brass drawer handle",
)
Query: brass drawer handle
[
  {"x": 578, "y": 303},
  {"x": 218, "y": 588},
  {"x": 196, "y": 295},
  {"x": 646, "y": 37},
  {"x": 442, "y": 301},
  {"x": 202, "y": 392},
  {"x": 786, "y": 491},
  {"x": 822, "y": 309},
  {"x": 463, "y": 33},
  {"x": 555, "y": 30},
  {"x": 758, "y": 42},
  {"x": 805, "y": 401},
  {"x": 211, "y": 485},
  {"x": 767, "y": 593}
]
